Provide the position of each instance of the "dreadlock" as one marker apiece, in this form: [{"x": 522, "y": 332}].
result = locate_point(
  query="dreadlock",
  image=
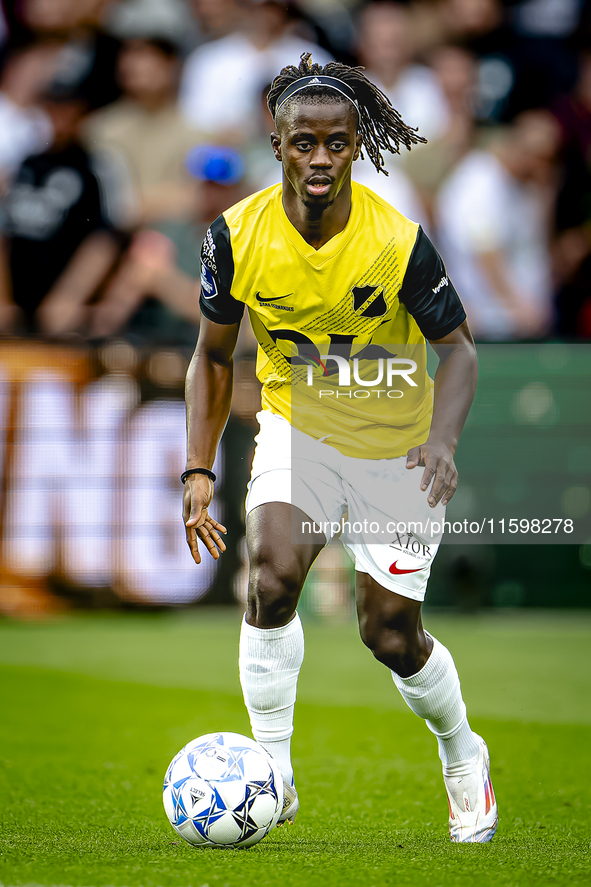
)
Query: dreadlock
[{"x": 380, "y": 125}]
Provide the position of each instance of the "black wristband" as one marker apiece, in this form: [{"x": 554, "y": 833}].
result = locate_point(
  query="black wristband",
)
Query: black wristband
[{"x": 204, "y": 471}]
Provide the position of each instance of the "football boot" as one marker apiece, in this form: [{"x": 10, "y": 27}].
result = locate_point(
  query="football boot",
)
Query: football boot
[
  {"x": 473, "y": 813},
  {"x": 291, "y": 805}
]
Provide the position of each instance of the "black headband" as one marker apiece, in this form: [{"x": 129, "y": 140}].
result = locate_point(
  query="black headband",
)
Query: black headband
[{"x": 316, "y": 80}]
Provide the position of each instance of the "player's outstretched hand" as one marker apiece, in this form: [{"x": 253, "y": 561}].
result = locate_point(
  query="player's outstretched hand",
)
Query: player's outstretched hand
[
  {"x": 199, "y": 524},
  {"x": 438, "y": 460}
]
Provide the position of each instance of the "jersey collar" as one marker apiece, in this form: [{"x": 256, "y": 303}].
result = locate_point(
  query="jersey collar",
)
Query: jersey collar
[{"x": 318, "y": 257}]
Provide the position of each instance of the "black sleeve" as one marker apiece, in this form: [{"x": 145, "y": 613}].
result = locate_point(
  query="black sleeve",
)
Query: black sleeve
[
  {"x": 217, "y": 273},
  {"x": 427, "y": 292}
]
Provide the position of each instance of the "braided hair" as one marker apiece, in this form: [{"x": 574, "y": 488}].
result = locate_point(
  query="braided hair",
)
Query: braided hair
[{"x": 380, "y": 125}]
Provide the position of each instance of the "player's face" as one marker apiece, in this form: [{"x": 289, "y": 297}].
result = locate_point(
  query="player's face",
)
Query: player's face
[{"x": 317, "y": 145}]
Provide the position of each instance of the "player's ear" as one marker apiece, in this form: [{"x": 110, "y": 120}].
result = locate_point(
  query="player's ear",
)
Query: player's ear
[
  {"x": 276, "y": 145},
  {"x": 358, "y": 142}
]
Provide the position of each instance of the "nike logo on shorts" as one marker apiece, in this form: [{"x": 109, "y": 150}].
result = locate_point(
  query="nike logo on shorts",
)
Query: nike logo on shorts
[{"x": 396, "y": 571}]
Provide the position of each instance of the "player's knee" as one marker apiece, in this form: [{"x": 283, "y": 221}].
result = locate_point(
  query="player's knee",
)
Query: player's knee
[
  {"x": 395, "y": 643},
  {"x": 388, "y": 645},
  {"x": 273, "y": 590}
]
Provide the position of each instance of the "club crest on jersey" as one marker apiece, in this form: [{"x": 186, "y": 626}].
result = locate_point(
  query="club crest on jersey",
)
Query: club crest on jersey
[
  {"x": 208, "y": 285},
  {"x": 369, "y": 301}
]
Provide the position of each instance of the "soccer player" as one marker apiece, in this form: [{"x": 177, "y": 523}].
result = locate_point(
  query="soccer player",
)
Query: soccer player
[{"x": 322, "y": 262}]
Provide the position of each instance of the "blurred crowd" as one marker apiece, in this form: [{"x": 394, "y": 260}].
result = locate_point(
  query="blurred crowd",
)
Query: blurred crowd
[{"x": 127, "y": 126}]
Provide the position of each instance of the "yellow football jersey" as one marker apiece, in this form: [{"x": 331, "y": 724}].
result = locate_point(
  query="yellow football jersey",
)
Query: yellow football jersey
[{"x": 341, "y": 329}]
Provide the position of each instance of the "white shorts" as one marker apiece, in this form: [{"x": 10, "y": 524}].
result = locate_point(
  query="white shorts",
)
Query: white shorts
[{"x": 375, "y": 506}]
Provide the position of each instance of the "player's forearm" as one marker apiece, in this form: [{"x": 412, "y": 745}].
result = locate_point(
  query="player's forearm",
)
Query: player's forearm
[
  {"x": 208, "y": 396},
  {"x": 455, "y": 386}
]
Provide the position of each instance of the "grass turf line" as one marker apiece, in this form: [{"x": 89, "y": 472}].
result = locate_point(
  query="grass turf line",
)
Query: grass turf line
[{"x": 83, "y": 758}]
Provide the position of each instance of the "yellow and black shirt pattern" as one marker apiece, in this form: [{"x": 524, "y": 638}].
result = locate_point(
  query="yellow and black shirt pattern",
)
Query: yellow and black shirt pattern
[{"x": 372, "y": 292}]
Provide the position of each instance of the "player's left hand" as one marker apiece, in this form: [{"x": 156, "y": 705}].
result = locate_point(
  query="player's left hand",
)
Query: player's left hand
[{"x": 440, "y": 468}]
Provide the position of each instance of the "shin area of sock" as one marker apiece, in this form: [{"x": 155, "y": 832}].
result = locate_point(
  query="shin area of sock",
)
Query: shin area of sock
[
  {"x": 434, "y": 693},
  {"x": 270, "y": 661}
]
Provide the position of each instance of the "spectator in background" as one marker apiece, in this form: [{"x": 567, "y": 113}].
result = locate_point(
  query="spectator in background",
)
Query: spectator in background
[
  {"x": 222, "y": 80},
  {"x": 262, "y": 168},
  {"x": 386, "y": 49},
  {"x": 456, "y": 71},
  {"x": 3, "y": 26},
  {"x": 471, "y": 21},
  {"x": 24, "y": 128},
  {"x": 396, "y": 189},
  {"x": 493, "y": 232},
  {"x": 482, "y": 28},
  {"x": 477, "y": 24},
  {"x": 219, "y": 18},
  {"x": 330, "y": 24},
  {"x": 58, "y": 243},
  {"x": 171, "y": 19},
  {"x": 87, "y": 55},
  {"x": 544, "y": 62},
  {"x": 146, "y": 127},
  {"x": 524, "y": 48},
  {"x": 572, "y": 245},
  {"x": 155, "y": 293}
]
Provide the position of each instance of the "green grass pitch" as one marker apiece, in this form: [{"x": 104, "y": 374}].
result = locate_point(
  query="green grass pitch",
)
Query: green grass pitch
[{"x": 92, "y": 709}]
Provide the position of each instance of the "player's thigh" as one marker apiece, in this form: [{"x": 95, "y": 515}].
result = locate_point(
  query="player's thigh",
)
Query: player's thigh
[{"x": 278, "y": 565}]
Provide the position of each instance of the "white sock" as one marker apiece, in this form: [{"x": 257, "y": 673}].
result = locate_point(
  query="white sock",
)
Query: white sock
[
  {"x": 270, "y": 661},
  {"x": 434, "y": 693}
]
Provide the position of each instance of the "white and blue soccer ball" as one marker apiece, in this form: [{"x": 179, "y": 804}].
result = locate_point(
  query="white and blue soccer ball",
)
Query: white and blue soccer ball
[{"x": 223, "y": 790}]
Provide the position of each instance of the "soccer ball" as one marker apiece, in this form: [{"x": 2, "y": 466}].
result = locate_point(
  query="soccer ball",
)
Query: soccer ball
[{"x": 223, "y": 790}]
